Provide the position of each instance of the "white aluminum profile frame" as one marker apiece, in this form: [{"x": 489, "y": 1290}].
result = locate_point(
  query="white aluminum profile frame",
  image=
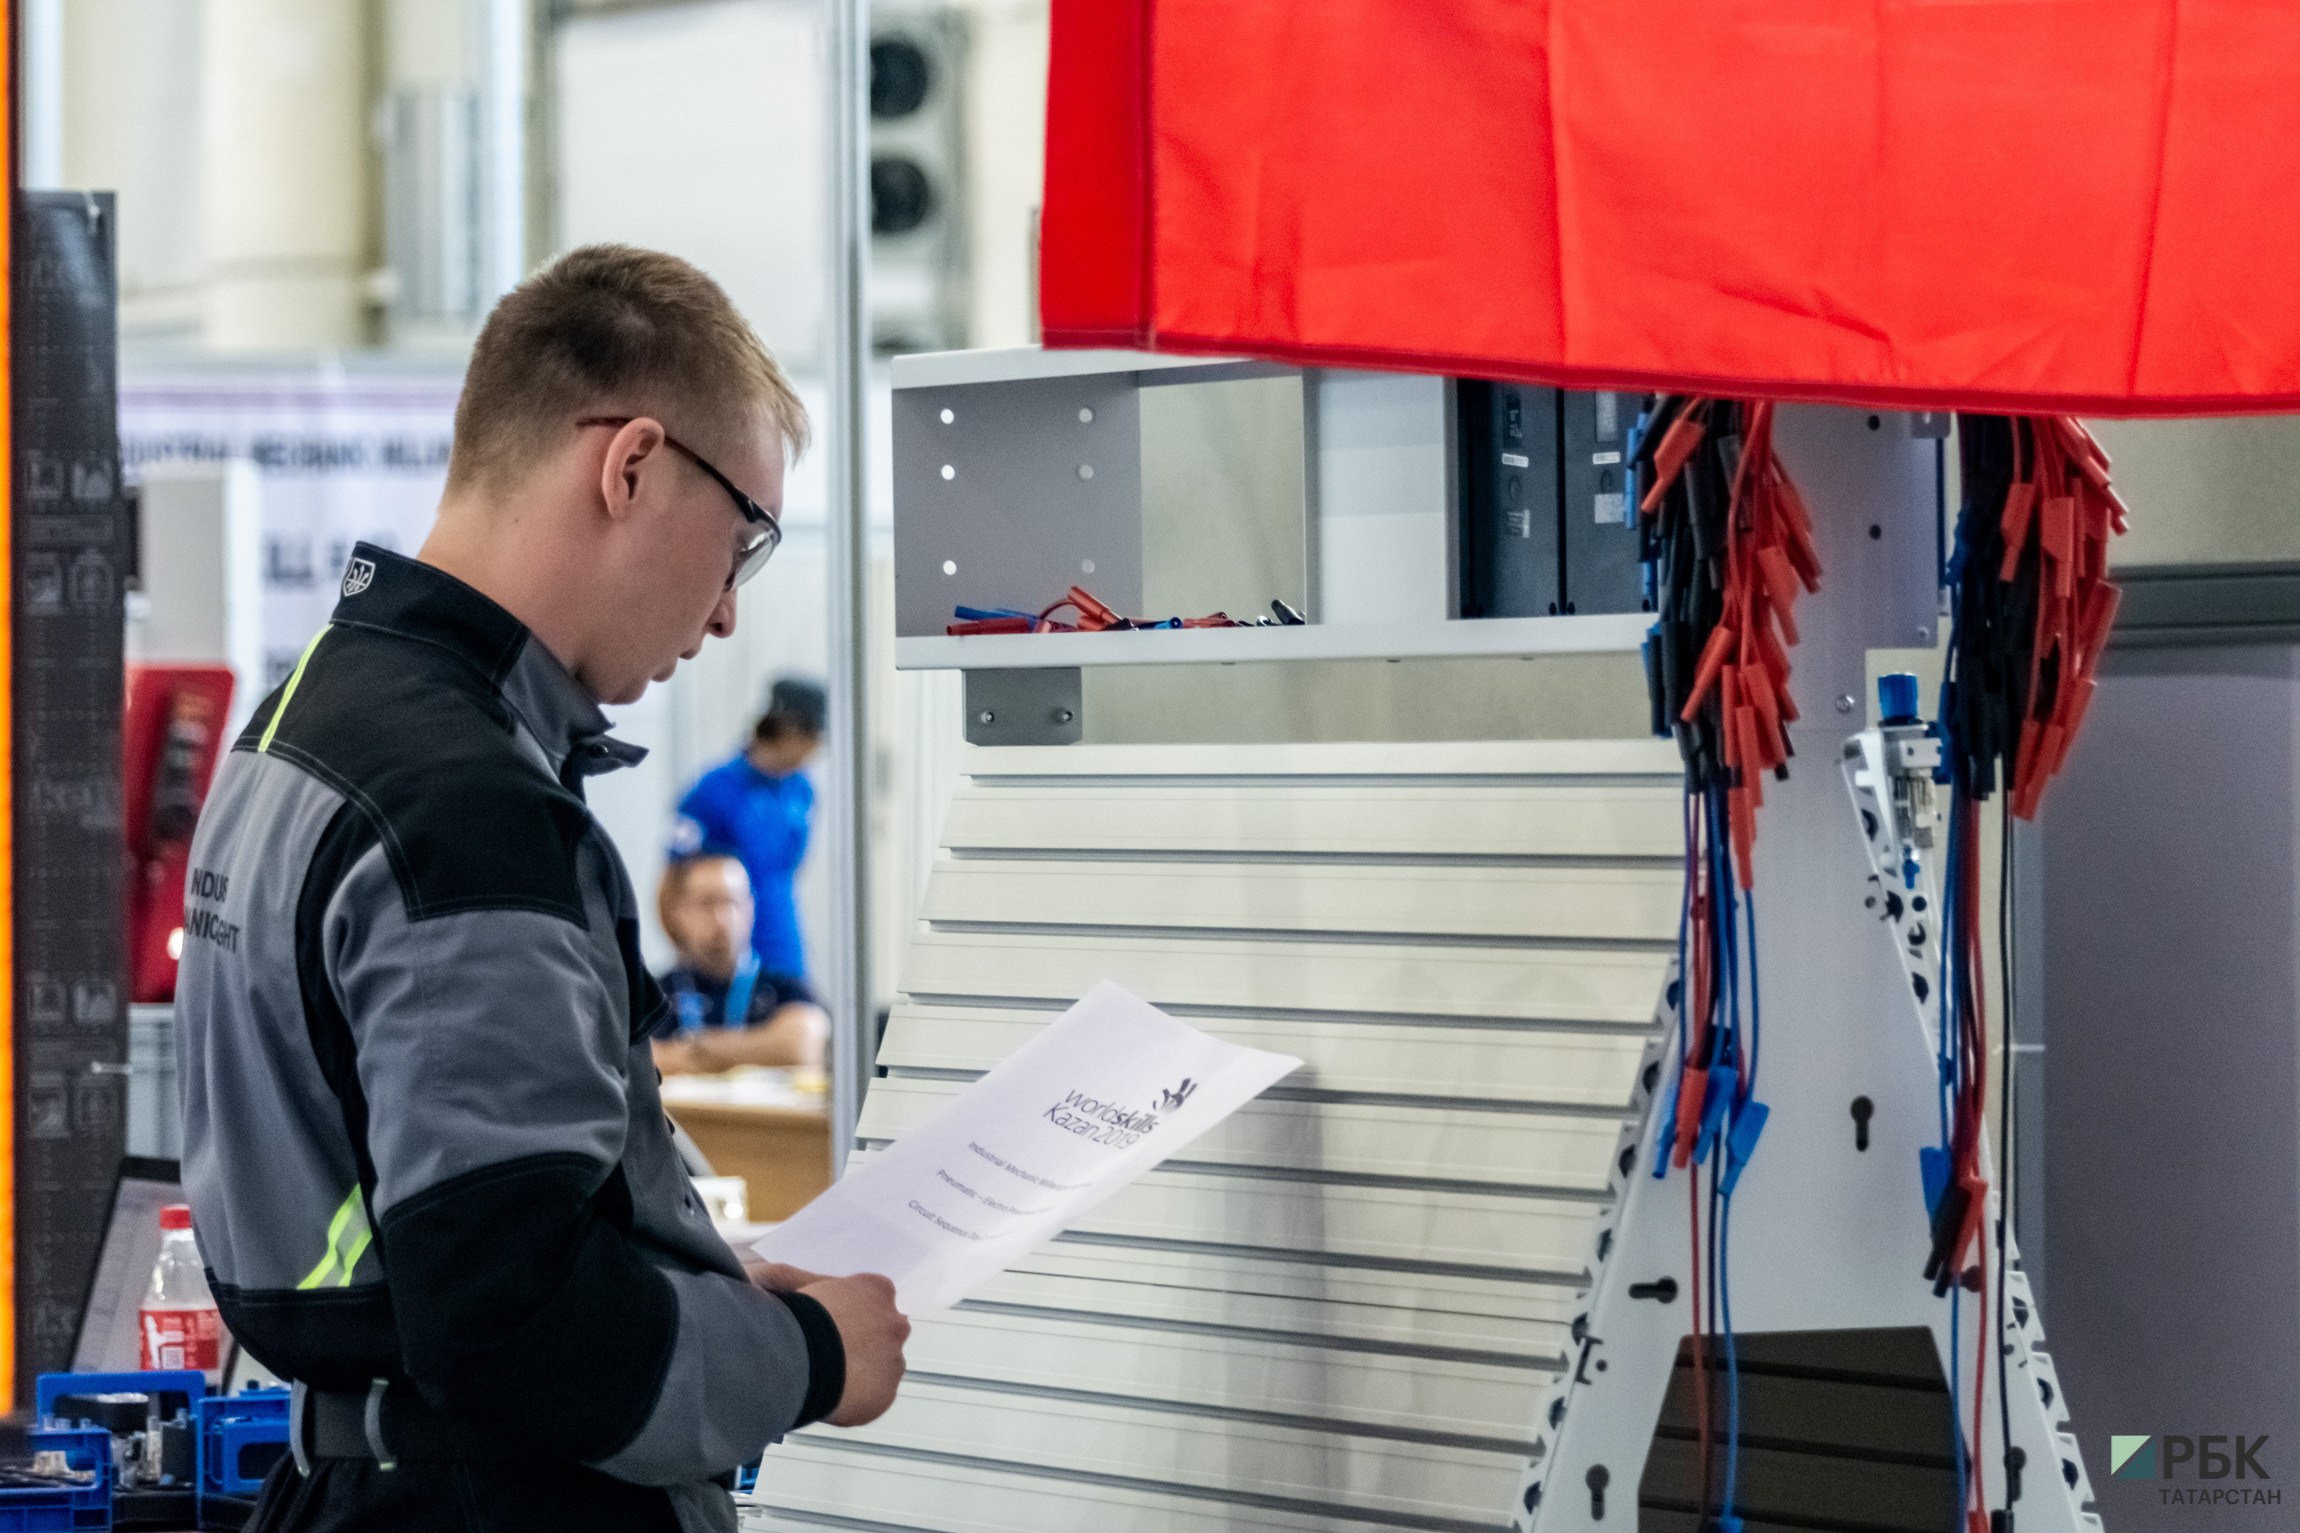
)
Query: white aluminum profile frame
[{"x": 1826, "y": 1235}]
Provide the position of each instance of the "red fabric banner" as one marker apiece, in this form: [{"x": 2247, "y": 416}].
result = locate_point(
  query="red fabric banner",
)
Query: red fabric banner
[{"x": 2031, "y": 205}]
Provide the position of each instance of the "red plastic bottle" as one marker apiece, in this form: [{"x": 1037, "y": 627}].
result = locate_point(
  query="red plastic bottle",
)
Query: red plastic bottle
[{"x": 178, "y": 1323}]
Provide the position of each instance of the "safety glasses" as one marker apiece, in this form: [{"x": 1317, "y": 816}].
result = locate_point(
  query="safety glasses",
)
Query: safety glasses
[{"x": 752, "y": 554}]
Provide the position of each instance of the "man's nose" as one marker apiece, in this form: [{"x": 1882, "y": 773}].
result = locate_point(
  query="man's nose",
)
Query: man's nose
[{"x": 722, "y": 623}]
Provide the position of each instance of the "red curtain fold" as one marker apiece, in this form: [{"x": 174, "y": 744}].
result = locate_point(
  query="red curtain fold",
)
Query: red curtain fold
[{"x": 2034, "y": 205}]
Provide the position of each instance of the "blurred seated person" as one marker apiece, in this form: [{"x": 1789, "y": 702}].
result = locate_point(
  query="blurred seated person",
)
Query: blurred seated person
[{"x": 727, "y": 1009}]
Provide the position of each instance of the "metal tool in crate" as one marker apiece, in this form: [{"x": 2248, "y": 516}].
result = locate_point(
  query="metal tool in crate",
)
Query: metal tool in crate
[{"x": 129, "y": 1450}]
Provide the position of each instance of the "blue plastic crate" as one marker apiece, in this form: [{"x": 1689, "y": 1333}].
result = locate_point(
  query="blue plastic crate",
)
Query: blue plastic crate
[
  {"x": 25, "y": 1511},
  {"x": 63, "y": 1509},
  {"x": 241, "y": 1437},
  {"x": 188, "y": 1382}
]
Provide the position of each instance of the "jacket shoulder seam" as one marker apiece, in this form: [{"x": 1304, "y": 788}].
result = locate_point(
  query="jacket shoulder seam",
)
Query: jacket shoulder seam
[{"x": 395, "y": 852}]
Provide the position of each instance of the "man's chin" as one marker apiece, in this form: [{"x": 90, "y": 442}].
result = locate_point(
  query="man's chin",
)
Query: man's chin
[
  {"x": 624, "y": 696},
  {"x": 632, "y": 692}
]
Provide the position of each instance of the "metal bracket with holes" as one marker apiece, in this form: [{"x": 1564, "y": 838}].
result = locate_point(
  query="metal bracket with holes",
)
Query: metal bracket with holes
[{"x": 1034, "y": 707}]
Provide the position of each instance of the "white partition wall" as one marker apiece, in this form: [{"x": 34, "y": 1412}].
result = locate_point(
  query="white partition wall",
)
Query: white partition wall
[{"x": 1344, "y": 1308}]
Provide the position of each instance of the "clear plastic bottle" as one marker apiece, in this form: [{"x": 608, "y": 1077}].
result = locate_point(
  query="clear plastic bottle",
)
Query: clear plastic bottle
[{"x": 179, "y": 1323}]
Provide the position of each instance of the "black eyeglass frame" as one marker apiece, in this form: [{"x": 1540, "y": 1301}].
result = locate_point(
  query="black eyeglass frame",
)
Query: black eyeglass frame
[{"x": 754, "y": 555}]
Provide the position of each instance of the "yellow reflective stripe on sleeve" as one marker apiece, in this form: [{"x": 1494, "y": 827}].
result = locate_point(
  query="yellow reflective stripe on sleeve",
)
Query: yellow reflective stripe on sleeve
[
  {"x": 287, "y": 694},
  {"x": 356, "y": 1250},
  {"x": 348, "y": 1237}
]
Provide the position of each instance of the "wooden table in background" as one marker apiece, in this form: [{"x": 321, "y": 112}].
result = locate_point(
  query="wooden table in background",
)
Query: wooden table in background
[{"x": 782, "y": 1153}]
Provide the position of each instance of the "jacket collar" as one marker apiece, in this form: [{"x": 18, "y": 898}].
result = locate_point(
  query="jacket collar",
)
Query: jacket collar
[{"x": 388, "y": 592}]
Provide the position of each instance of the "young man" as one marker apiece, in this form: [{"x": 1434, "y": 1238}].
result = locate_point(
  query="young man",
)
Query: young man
[
  {"x": 428, "y": 1167},
  {"x": 759, "y": 806},
  {"x": 727, "y": 1009}
]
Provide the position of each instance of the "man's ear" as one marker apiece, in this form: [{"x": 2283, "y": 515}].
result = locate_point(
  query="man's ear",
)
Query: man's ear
[{"x": 636, "y": 449}]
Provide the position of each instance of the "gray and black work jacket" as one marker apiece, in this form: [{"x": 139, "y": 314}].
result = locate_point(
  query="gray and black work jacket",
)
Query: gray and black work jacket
[{"x": 422, "y": 1136}]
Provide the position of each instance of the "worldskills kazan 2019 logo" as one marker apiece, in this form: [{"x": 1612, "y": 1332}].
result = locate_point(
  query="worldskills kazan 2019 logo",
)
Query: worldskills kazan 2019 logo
[
  {"x": 2211, "y": 1458},
  {"x": 1112, "y": 1123}
]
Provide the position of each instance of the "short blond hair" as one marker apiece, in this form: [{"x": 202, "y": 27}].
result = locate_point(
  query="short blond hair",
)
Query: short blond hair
[{"x": 611, "y": 329}]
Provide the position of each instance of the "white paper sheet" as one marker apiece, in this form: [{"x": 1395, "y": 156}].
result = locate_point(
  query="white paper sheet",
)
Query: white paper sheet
[{"x": 1089, "y": 1104}]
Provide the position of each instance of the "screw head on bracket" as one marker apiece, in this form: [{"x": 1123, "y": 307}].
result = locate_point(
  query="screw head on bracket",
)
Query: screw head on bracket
[
  {"x": 986, "y": 717},
  {"x": 1846, "y": 702}
]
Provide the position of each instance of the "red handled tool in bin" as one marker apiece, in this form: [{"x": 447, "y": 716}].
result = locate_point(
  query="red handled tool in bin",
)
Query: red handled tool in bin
[{"x": 1094, "y": 617}]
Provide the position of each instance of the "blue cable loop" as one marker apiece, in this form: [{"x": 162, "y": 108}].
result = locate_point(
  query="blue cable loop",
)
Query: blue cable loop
[
  {"x": 1725, "y": 1253},
  {"x": 1732, "y": 1359},
  {"x": 1731, "y": 1115},
  {"x": 1741, "y": 1112}
]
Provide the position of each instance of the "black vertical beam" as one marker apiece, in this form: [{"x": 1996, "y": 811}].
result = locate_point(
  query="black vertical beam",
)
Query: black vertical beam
[
  {"x": 70, "y": 545},
  {"x": 1507, "y": 453},
  {"x": 1599, "y": 531}
]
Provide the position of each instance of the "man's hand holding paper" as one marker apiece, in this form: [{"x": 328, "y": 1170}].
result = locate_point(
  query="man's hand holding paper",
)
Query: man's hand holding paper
[{"x": 870, "y": 1328}]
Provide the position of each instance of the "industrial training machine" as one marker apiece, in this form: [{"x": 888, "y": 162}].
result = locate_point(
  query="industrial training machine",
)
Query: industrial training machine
[{"x": 1639, "y": 1174}]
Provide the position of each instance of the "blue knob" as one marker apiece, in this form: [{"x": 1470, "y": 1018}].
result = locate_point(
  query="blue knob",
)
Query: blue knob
[{"x": 1897, "y": 698}]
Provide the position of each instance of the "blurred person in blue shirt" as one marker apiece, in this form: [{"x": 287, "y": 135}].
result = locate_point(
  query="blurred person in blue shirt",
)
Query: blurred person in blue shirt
[
  {"x": 759, "y": 806},
  {"x": 727, "y": 1009}
]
